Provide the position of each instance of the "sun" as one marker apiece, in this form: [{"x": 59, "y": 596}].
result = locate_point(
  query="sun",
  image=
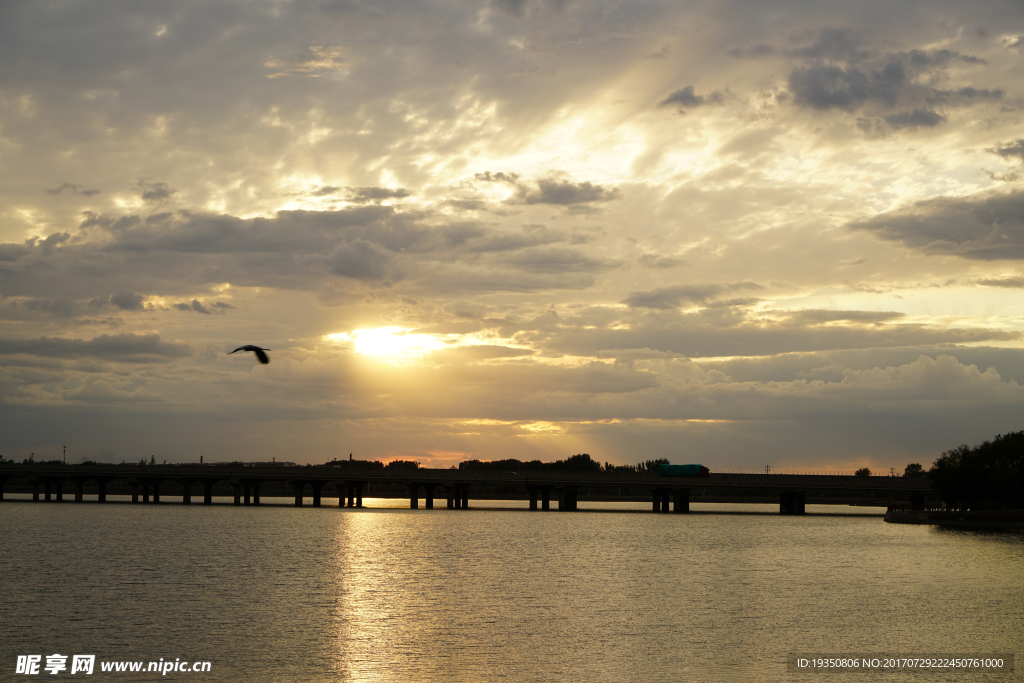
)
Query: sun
[{"x": 395, "y": 345}]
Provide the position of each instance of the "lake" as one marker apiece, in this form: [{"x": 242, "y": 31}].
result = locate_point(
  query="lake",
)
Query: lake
[{"x": 611, "y": 592}]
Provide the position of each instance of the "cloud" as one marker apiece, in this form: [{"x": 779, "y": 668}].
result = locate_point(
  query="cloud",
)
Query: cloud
[
  {"x": 312, "y": 62},
  {"x": 675, "y": 296},
  {"x": 919, "y": 118},
  {"x": 499, "y": 177},
  {"x": 1006, "y": 282},
  {"x": 1010, "y": 149},
  {"x": 840, "y": 77},
  {"x": 563, "y": 193},
  {"x": 985, "y": 226},
  {"x": 819, "y": 316},
  {"x": 74, "y": 189},
  {"x": 127, "y": 348},
  {"x": 128, "y": 301},
  {"x": 154, "y": 192},
  {"x": 685, "y": 98},
  {"x": 196, "y": 306},
  {"x": 659, "y": 262},
  {"x": 326, "y": 190},
  {"x": 376, "y": 194},
  {"x": 362, "y": 260}
]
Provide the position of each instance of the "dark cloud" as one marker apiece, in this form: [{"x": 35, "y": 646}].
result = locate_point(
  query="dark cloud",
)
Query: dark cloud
[
  {"x": 674, "y": 297},
  {"x": 325, "y": 190},
  {"x": 128, "y": 301},
  {"x": 154, "y": 192},
  {"x": 13, "y": 252},
  {"x": 1010, "y": 149},
  {"x": 129, "y": 348},
  {"x": 685, "y": 98},
  {"x": 563, "y": 193},
  {"x": 919, "y": 118},
  {"x": 988, "y": 227},
  {"x": 499, "y": 177},
  {"x": 362, "y": 260},
  {"x": 1006, "y": 282},
  {"x": 890, "y": 81},
  {"x": 63, "y": 306},
  {"x": 376, "y": 194},
  {"x": 196, "y": 306},
  {"x": 74, "y": 189}
]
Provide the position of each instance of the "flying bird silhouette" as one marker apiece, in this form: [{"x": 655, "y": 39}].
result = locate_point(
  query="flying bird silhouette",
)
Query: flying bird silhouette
[{"x": 255, "y": 349}]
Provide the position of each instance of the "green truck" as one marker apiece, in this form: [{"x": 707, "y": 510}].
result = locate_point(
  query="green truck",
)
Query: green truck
[{"x": 683, "y": 471}]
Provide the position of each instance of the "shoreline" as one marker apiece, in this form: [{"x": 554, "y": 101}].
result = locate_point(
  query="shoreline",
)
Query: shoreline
[{"x": 983, "y": 520}]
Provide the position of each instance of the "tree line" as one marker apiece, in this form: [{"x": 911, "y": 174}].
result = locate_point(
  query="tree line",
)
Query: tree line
[{"x": 987, "y": 476}]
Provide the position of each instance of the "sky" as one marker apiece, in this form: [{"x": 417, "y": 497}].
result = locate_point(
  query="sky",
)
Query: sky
[{"x": 739, "y": 233}]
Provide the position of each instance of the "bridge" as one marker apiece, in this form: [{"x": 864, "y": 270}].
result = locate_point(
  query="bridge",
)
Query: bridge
[{"x": 49, "y": 482}]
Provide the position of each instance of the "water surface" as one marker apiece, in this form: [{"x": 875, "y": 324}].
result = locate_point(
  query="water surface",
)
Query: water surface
[{"x": 276, "y": 593}]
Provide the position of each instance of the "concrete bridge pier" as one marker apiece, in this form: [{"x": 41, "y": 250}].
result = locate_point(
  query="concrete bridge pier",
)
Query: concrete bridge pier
[
  {"x": 35, "y": 491},
  {"x": 46, "y": 490},
  {"x": 317, "y": 486},
  {"x": 237, "y": 488},
  {"x": 208, "y": 485},
  {"x": 79, "y": 483},
  {"x": 792, "y": 503},
  {"x": 429, "y": 489},
  {"x": 255, "y": 485},
  {"x": 299, "y": 486},
  {"x": 682, "y": 500},
  {"x": 414, "y": 495},
  {"x": 135, "y": 491},
  {"x": 353, "y": 490},
  {"x": 150, "y": 486},
  {"x": 186, "y": 491},
  {"x": 568, "y": 498},
  {"x": 541, "y": 492},
  {"x": 101, "y": 488},
  {"x": 246, "y": 493},
  {"x": 659, "y": 499}
]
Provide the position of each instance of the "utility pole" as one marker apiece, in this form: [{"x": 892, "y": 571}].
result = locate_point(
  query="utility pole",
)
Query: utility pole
[{"x": 65, "y": 455}]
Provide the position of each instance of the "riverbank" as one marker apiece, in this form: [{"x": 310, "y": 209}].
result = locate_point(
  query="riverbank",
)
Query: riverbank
[{"x": 987, "y": 520}]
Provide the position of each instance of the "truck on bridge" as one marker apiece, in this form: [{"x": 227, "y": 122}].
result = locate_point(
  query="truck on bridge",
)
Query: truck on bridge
[{"x": 683, "y": 471}]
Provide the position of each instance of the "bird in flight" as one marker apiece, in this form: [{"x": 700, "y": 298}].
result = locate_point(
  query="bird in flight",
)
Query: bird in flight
[{"x": 255, "y": 349}]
